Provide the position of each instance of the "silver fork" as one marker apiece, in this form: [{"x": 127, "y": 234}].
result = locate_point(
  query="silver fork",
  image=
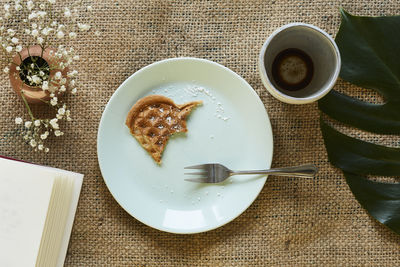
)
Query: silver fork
[{"x": 216, "y": 173}]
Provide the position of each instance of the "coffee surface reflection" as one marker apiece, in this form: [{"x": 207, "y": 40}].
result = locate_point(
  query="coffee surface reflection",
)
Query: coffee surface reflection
[{"x": 292, "y": 69}]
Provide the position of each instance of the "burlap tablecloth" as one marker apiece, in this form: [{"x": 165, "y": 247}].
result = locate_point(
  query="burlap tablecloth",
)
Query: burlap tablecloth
[{"x": 292, "y": 222}]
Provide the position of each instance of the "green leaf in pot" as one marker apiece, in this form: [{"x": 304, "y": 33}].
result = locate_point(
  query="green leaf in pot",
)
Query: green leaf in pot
[{"x": 370, "y": 51}]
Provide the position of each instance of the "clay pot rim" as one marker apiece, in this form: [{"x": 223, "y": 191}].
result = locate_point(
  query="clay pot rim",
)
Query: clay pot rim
[
  {"x": 33, "y": 51},
  {"x": 33, "y": 94}
]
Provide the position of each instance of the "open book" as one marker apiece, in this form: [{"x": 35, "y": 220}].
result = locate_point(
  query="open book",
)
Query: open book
[{"x": 37, "y": 210}]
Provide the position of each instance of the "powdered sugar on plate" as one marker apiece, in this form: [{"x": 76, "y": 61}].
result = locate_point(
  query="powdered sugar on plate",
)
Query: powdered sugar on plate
[
  {"x": 183, "y": 91},
  {"x": 195, "y": 90}
]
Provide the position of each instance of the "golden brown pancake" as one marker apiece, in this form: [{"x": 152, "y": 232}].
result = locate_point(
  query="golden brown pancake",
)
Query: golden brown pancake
[{"x": 153, "y": 119}]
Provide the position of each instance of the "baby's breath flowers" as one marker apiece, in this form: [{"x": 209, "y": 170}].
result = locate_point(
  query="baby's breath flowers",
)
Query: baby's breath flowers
[{"x": 28, "y": 26}]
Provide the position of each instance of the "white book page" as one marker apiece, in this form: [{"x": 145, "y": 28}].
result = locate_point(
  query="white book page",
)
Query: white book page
[
  {"x": 70, "y": 220},
  {"x": 25, "y": 192}
]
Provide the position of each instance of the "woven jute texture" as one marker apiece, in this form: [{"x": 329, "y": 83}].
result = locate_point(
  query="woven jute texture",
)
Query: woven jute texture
[{"x": 293, "y": 222}]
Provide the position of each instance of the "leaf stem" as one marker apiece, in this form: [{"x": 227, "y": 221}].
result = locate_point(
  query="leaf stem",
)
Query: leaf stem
[
  {"x": 20, "y": 57},
  {"x": 27, "y": 105}
]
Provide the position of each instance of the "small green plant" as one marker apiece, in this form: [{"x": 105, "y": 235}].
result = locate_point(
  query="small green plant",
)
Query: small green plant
[{"x": 27, "y": 24}]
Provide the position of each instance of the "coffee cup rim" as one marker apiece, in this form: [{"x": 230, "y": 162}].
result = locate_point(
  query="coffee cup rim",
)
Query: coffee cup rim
[{"x": 290, "y": 99}]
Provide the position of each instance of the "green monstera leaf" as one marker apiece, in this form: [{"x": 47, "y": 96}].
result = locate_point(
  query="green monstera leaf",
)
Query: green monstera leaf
[{"x": 370, "y": 51}]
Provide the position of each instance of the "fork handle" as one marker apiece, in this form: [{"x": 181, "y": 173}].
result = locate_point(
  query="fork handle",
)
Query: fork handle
[{"x": 305, "y": 171}]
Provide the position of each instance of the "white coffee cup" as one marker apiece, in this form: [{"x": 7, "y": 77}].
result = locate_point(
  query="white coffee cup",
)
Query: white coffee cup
[{"x": 314, "y": 42}]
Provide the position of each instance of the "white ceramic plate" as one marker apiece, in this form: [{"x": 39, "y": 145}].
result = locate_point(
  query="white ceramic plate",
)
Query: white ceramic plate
[{"x": 231, "y": 127}]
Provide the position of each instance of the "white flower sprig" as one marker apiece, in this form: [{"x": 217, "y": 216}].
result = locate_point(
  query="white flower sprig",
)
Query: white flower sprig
[{"x": 42, "y": 25}]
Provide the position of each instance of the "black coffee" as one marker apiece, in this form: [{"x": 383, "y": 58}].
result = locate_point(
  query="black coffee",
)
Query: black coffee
[{"x": 292, "y": 69}]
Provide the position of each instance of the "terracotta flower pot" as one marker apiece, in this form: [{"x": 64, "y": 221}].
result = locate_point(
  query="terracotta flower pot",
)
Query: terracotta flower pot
[{"x": 34, "y": 95}]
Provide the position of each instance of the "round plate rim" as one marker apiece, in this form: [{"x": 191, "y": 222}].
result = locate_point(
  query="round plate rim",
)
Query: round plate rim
[{"x": 145, "y": 68}]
